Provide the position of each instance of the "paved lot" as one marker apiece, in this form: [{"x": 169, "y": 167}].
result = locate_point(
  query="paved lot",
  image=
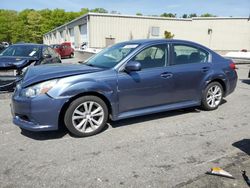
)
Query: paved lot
[{"x": 172, "y": 149}]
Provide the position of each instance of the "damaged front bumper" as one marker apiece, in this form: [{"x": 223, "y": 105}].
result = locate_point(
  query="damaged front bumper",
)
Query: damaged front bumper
[{"x": 8, "y": 80}]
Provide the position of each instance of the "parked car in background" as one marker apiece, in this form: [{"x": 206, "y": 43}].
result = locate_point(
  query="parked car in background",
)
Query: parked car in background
[
  {"x": 5, "y": 44},
  {"x": 64, "y": 49},
  {"x": 16, "y": 58},
  {"x": 2, "y": 47},
  {"x": 126, "y": 80}
]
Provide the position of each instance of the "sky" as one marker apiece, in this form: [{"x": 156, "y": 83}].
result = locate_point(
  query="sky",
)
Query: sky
[{"x": 235, "y": 8}]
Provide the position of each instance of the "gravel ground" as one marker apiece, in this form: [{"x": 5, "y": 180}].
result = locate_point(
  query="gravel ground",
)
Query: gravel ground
[{"x": 172, "y": 149}]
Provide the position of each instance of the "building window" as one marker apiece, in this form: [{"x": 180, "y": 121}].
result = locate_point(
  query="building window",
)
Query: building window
[{"x": 155, "y": 31}]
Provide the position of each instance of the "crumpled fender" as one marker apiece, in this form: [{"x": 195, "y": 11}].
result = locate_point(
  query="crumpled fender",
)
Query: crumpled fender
[{"x": 89, "y": 85}]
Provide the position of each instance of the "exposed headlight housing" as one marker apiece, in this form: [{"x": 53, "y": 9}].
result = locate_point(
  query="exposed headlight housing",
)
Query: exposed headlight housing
[{"x": 39, "y": 89}]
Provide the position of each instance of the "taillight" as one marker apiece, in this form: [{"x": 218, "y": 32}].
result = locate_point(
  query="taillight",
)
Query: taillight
[{"x": 232, "y": 65}]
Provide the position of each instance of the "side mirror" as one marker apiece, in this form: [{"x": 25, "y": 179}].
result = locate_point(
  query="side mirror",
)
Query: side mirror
[
  {"x": 133, "y": 66},
  {"x": 47, "y": 56}
]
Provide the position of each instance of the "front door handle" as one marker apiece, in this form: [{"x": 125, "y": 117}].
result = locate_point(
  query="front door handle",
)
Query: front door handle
[{"x": 166, "y": 75}]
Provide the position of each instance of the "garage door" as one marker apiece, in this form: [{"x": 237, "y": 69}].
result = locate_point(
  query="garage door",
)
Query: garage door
[
  {"x": 72, "y": 36},
  {"x": 83, "y": 32}
]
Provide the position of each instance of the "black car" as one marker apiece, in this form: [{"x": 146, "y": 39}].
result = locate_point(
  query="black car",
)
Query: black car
[
  {"x": 2, "y": 47},
  {"x": 16, "y": 58}
]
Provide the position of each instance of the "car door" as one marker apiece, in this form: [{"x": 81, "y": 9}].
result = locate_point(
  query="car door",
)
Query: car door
[
  {"x": 190, "y": 65},
  {"x": 66, "y": 50},
  {"x": 151, "y": 86}
]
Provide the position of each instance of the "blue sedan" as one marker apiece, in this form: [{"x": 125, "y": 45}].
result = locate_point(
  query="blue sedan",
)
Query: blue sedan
[{"x": 126, "y": 80}]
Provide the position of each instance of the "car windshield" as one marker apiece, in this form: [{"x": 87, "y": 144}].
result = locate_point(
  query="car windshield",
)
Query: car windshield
[
  {"x": 21, "y": 51},
  {"x": 111, "y": 56}
]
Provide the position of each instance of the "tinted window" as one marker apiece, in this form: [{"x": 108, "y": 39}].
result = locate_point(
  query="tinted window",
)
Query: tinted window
[
  {"x": 154, "y": 56},
  {"x": 184, "y": 54}
]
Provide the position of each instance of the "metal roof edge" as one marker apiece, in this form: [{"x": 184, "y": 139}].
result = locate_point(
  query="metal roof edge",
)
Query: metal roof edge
[
  {"x": 76, "y": 19},
  {"x": 143, "y": 17}
]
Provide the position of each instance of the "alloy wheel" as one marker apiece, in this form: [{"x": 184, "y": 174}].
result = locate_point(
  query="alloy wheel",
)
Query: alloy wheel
[
  {"x": 88, "y": 116},
  {"x": 214, "y": 96}
]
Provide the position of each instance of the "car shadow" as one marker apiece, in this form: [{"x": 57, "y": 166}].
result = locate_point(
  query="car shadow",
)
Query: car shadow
[
  {"x": 140, "y": 119},
  {"x": 243, "y": 145},
  {"x": 50, "y": 135},
  {"x": 45, "y": 135},
  {"x": 245, "y": 81}
]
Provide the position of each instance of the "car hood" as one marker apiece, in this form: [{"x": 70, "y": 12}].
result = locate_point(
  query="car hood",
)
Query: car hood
[
  {"x": 41, "y": 73},
  {"x": 10, "y": 62}
]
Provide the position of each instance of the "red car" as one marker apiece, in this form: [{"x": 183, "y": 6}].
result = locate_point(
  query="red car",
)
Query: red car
[{"x": 64, "y": 49}]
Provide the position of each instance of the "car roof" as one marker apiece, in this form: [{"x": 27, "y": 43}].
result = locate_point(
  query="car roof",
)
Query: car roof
[
  {"x": 145, "y": 41},
  {"x": 29, "y": 44},
  {"x": 153, "y": 41}
]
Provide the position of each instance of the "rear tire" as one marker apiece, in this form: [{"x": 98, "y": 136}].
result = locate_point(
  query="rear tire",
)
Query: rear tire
[
  {"x": 71, "y": 55},
  {"x": 86, "y": 116},
  {"x": 212, "y": 96}
]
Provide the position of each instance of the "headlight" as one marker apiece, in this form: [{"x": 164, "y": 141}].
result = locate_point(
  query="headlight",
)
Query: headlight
[{"x": 39, "y": 89}]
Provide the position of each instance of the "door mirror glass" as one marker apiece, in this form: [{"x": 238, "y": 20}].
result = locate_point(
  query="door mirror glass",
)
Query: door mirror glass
[{"x": 133, "y": 66}]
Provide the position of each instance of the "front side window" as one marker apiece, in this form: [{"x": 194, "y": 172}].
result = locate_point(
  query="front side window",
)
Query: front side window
[
  {"x": 184, "y": 54},
  {"x": 154, "y": 56}
]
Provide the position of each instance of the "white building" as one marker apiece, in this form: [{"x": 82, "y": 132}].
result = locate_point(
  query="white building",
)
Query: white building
[{"x": 100, "y": 30}]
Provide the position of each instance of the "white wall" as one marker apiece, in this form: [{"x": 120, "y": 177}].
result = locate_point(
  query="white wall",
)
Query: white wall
[{"x": 229, "y": 34}]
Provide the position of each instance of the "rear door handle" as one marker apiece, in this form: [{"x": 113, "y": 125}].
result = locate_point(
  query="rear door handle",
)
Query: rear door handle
[
  {"x": 166, "y": 75},
  {"x": 205, "y": 69}
]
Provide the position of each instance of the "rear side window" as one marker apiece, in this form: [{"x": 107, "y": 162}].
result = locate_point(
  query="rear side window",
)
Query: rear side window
[{"x": 185, "y": 54}]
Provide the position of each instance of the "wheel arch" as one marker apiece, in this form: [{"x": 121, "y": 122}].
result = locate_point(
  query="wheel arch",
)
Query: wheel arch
[
  {"x": 223, "y": 84},
  {"x": 91, "y": 93}
]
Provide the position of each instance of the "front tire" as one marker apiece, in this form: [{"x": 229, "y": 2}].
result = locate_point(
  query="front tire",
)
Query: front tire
[
  {"x": 212, "y": 96},
  {"x": 86, "y": 116}
]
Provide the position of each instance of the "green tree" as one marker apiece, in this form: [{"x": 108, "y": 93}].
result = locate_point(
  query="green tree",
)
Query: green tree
[
  {"x": 138, "y": 14},
  {"x": 192, "y": 15},
  {"x": 99, "y": 10},
  {"x": 207, "y": 15},
  {"x": 34, "y": 20},
  {"x": 184, "y": 16},
  {"x": 170, "y": 15},
  {"x": 168, "y": 35},
  {"x": 8, "y": 18}
]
